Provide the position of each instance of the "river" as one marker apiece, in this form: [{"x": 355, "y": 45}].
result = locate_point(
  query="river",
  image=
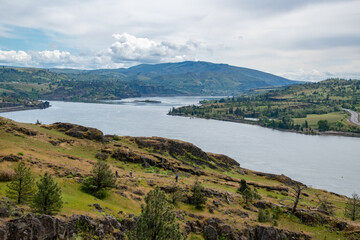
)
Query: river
[{"x": 326, "y": 162}]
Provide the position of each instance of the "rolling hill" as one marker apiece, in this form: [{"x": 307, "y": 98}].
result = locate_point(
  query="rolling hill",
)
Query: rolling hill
[{"x": 167, "y": 79}]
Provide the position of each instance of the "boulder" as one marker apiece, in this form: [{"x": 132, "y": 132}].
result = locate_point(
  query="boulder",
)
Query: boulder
[
  {"x": 210, "y": 233},
  {"x": 4, "y": 212},
  {"x": 27, "y": 227},
  {"x": 78, "y": 131}
]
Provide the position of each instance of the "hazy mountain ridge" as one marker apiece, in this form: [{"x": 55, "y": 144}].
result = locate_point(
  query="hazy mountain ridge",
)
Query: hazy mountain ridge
[{"x": 184, "y": 78}]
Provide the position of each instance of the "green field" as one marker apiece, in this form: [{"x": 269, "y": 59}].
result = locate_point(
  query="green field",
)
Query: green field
[
  {"x": 288, "y": 108},
  {"x": 313, "y": 119}
]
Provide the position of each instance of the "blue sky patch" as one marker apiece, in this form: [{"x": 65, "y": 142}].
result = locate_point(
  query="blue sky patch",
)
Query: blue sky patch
[{"x": 25, "y": 39}]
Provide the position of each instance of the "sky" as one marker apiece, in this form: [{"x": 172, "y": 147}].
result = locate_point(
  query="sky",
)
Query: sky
[{"x": 307, "y": 40}]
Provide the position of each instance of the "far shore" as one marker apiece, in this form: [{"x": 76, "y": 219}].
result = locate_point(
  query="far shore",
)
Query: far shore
[
  {"x": 19, "y": 108},
  {"x": 327, "y": 133}
]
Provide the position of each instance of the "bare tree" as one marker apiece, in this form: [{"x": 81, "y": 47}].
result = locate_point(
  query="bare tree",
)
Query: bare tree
[
  {"x": 296, "y": 192},
  {"x": 352, "y": 208},
  {"x": 325, "y": 205}
]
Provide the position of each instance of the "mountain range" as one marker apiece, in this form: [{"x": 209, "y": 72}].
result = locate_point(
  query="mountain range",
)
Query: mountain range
[{"x": 183, "y": 78}]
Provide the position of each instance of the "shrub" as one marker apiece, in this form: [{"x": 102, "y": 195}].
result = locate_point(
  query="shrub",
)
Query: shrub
[
  {"x": 101, "y": 179},
  {"x": 198, "y": 199},
  {"x": 263, "y": 216}
]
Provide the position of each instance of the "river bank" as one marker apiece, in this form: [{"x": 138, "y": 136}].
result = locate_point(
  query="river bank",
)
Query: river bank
[
  {"x": 254, "y": 147},
  {"x": 251, "y": 122}
]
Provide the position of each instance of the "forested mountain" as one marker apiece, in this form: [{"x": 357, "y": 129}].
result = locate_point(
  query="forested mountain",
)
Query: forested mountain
[{"x": 185, "y": 78}]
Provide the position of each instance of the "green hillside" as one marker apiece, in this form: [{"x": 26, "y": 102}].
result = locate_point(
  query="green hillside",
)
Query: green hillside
[
  {"x": 296, "y": 108},
  {"x": 69, "y": 153},
  {"x": 187, "y": 78}
]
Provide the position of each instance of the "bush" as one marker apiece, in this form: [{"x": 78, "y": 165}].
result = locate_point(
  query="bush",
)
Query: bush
[
  {"x": 102, "y": 179},
  {"x": 263, "y": 216},
  {"x": 198, "y": 199},
  {"x": 6, "y": 175},
  {"x": 101, "y": 194}
]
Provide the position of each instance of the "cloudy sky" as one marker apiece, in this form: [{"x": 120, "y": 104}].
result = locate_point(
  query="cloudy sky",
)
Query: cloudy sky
[{"x": 297, "y": 39}]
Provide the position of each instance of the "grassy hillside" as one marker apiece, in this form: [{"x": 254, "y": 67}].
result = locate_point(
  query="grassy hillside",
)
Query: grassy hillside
[
  {"x": 297, "y": 107},
  {"x": 155, "y": 162},
  {"x": 187, "y": 78}
]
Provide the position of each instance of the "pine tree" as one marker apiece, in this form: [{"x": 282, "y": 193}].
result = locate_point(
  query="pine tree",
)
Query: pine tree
[
  {"x": 22, "y": 187},
  {"x": 48, "y": 198},
  {"x": 247, "y": 195},
  {"x": 101, "y": 179},
  {"x": 245, "y": 191},
  {"x": 352, "y": 208},
  {"x": 157, "y": 220},
  {"x": 198, "y": 198}
]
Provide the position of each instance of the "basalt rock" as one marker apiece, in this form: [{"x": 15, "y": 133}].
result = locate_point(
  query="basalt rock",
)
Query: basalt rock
[
  {"x": 10, "y": 158},
  {"x": 78, "y": 131},
  {"x": 42, "y": 227}
]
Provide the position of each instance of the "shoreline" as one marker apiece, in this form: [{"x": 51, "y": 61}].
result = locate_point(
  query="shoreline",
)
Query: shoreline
[
  {"x": 244, "y": 121},
  {"x": 39, "y": 105},
  {"x": 17, "y": 109}
]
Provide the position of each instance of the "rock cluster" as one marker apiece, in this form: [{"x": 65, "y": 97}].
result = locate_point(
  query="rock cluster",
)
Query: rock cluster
[
  {"x": 78, "y": 131},
  {"x": 48, "y": 227},
  {"x": 42, "y": 227}
]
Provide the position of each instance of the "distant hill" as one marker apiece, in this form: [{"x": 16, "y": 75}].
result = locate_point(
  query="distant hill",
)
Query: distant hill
[
  {"x": 198, "y": 77},
  {"x": 167, "y": 79},
  {"x": 296, "y": 108}
]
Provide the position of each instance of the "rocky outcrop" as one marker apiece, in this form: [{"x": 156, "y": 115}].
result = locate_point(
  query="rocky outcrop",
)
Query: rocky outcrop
[
  {"x": 280, "y": 178},
  {"x": 10, "y": 158},
  {"x": 42, "y": 227},
  {"x": 77, "y": 131},
  {"x": 214, "y": 228},
  {"x": 185, "y": 151}
]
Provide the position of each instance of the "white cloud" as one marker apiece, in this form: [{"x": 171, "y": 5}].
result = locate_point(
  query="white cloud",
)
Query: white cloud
[
  {"x": 129, "y": 48},
  {"x": 126, "y": 51},
  {"x": 279, "y": 36},
  {"x": 14, "y": 56},
  {"x": 37, "y": 58}
]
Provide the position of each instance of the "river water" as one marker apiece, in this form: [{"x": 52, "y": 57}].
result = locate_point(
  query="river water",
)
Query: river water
[{"x": 326, "y": 162}]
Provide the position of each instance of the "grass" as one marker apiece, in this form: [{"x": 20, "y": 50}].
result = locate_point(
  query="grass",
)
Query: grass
[
  {"x": 313, "y": 119},
  {"x": 77, "y": 201},
  {"x": 317, "y": 232},
  {"x": 38, "y": 149}
]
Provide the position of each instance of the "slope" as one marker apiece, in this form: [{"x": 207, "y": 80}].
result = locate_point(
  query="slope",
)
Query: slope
[{"x": 69, "y": 152}]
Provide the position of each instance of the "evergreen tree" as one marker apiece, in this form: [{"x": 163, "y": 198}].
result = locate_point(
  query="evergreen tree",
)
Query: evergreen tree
[
  {"x": 157, "y": 220},
  {"x": 198, "y": 198},
  {"x": 352, "y": 208},
  {"x": 243, "y": 186},
  {"x": 245, "y": 191},
  {"x": 22, "y": 187},
  {"x": 48, "y": 199},
  {"x": 101, "y": 179}
]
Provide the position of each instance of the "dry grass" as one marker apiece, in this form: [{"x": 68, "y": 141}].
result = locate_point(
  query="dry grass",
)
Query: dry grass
[{"x": 6, "y": 175}]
